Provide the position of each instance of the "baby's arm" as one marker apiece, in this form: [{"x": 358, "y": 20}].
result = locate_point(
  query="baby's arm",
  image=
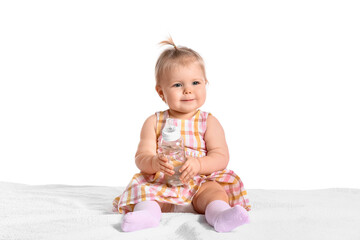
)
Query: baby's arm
[
  {"x": 217, "y": 157},
  {"x": 146, "y": 158}
]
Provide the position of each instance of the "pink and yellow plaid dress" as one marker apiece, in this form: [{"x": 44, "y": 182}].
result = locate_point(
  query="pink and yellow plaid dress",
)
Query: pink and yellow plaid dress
[{"x": 144, "y": 187}]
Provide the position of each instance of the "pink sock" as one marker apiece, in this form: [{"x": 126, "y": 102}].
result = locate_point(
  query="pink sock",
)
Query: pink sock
[
  {"x": 224, "y": 218},
  {"x": 146, "y": 214}
]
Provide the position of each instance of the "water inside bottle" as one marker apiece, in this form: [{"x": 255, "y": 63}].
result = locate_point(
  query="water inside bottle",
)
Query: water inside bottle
[{"x": 176, "y": 157}]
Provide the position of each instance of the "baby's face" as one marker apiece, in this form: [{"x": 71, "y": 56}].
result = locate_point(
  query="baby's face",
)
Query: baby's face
[{"x": 184, "y": 89}]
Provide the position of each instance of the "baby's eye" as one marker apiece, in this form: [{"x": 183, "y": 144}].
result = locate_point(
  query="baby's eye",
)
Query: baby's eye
[
  {"x": 196, "y": 83},
  {"x": 177, "y": 85}
]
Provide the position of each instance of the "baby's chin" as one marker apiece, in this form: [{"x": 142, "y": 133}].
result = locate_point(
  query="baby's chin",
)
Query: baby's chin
[{"x": 190, "y": 106}]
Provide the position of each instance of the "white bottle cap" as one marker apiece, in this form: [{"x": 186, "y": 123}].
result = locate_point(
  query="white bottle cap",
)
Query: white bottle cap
[{"x": 170, "y": 132}]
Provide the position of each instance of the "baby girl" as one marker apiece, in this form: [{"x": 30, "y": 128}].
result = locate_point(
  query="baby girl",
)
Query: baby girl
[{"x": 209, "y": 188}]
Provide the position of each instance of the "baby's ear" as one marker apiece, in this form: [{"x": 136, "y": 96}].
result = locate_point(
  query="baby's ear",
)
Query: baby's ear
[
  {"x": 160, "y": 92},
  {"x": 158, "y": 89}
]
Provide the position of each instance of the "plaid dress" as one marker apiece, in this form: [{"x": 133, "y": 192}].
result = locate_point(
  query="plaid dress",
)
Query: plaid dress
[{"x": 144, "y": 187}]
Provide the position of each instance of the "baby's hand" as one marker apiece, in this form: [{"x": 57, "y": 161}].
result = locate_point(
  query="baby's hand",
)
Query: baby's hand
[
  {"x": 160, "y": 163},
  {"x": 190, "y": 169}
]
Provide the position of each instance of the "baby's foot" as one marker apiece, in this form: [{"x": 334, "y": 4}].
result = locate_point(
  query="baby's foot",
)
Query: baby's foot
[
  {"x": 231, "y": 218},
  {"x": 138, "y": 220}
]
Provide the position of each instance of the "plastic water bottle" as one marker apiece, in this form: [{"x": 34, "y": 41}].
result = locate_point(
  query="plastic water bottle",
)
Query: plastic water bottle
[{"x": 172, "y": 147}]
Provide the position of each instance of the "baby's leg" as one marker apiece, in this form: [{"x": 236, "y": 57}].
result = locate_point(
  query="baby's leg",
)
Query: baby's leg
[
  {"x": 145, "y": 215},
  {"x": 212, "y": 200}
]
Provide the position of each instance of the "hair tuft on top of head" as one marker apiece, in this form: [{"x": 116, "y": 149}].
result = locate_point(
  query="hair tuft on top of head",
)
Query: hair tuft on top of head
[{"x": 170, "y": 41}]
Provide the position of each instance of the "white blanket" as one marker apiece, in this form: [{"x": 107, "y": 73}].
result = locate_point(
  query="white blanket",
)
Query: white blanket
[{"x": 85, "y": 212}]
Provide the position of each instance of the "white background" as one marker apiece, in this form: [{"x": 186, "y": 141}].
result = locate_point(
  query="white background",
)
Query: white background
[{"x": 77, "y": 82}]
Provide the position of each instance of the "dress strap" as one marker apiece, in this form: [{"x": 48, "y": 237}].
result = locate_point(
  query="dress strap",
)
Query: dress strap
[{"x": 160, "y": 121}]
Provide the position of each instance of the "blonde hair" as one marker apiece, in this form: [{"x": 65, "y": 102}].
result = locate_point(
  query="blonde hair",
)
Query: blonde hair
[{"x": 173, "y": 57}]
